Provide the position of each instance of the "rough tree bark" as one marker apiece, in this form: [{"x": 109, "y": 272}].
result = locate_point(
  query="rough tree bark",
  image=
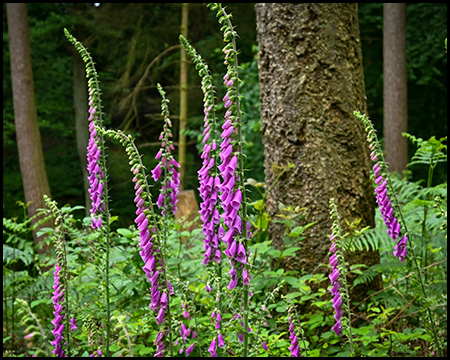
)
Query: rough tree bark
[
  {"x": 31, "y": 156},
  {"x": 311, "y": 80},
  {"x": 395, "y": 86}
]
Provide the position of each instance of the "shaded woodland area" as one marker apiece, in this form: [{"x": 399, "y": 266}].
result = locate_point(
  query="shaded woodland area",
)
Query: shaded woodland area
[{"x": 136, "y": 46}]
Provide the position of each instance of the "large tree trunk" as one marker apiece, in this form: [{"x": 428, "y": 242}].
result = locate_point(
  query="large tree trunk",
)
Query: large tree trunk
[
  {"x": 31, "y": 157},
  {"x": 395, "y": 86},
  {"x": 311, "y": 80}
]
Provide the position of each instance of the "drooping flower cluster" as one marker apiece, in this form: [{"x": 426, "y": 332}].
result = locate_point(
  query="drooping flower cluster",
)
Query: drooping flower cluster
[
  {"x": 381, "y": 191},
  {"x": 167, "y": 164},
  {"x": 335, "y": 286},
  {"x": 96, "y": 174}
]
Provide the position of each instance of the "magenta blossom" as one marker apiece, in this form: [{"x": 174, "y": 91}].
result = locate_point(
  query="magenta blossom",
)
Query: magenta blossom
[
  {"x": 386, "y": 209},
  {"x": 96, "y": 174}
]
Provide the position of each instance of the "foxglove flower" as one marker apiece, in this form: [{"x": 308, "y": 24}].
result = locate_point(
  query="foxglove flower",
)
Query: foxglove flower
[
  {"x": 58, "y": 299},
  {"x": 387, "y": 212},
  {"x": 212, "y": 348},
  {"x": 335, "y": 286},
  {"x": 208, "y": 178},
  {"x": 381, "y": 191},
  {"x": 189, "y": 350},
  {"x": 73, "y": 325},
  {"x": 96, "y": 174},
  {"x": 294, "y": 348},
  {"x": 168, "y": 165},
  {"x": 220, "y": 342}
]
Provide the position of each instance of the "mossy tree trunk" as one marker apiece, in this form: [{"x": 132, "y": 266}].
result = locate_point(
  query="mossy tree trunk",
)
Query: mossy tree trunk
[{"x": 311, "y": 80}]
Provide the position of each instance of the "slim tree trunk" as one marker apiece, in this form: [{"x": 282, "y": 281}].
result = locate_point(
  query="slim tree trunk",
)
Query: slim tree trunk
[
  {"x": 395, "y": 86},
  {"x": 80, "y": 100},
  {"x": 311, "y": 81},
  {"x": 31, "y": 157},
  {"x": 183, "y": 97}
]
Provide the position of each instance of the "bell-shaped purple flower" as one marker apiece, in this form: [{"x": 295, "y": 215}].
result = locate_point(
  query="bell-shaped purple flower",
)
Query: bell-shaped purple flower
[{"x": 212, "y": 348}]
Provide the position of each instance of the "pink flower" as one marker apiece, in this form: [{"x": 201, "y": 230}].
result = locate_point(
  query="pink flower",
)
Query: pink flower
[
  {"x": 189, "y": 350},
  {"x": 212, "y": 348}
]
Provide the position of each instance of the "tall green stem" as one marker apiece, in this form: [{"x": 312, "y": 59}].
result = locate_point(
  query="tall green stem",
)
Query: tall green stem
[{"x": 372, "y": 134}]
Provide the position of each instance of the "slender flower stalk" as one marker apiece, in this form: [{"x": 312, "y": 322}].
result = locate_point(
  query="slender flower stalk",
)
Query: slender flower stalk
[
  {"x": 237, "y": 226},
  {"x": 394, "y": 226},
  {"x": 210, "y": 184},
  {"x": 294, "y": 336},
  {"x": 166, "y": 201},
  {"x": 149, "y": 233},
  {"x": 60, "y": 294},
  {"x": 341, "y": 300},
  {"x": 294, "y": 348},
  {"x": 167, "y": 164},
  {"x": 384, "y": 191},
  {"x": 98, "y": 178}
]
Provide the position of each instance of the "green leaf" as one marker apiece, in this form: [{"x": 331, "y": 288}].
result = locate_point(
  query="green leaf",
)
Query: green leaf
[
  {"x": 289, "y": 252},
  {"x": 124, "y": 232},
  {"x": 275, "y": 253},
  {"x": 294, "y": 295},
  {"x": 145, "y": 351},
  {"x": 41, "y": 301}
]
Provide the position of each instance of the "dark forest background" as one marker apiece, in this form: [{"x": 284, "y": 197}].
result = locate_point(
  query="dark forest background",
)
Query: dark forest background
[{"x": 125, "y": 38}]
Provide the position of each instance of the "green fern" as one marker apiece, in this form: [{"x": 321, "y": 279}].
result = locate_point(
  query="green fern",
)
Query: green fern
[{"x": 429, "y": 152}]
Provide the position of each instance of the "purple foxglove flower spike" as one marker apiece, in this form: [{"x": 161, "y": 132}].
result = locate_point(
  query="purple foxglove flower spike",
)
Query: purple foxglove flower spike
[
  {"x": 383, "y": 200},
  {"x": 167, "y": 163},
  {"x": 95, "y": 173},
  {"x": 58, "y": 321},
  {"x": 334, "y": 277},
  {"x": 294, "y": 348}
]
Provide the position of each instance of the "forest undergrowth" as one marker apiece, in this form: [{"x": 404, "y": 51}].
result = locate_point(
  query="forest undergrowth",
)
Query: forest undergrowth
[{"x": 212, "y": 286}]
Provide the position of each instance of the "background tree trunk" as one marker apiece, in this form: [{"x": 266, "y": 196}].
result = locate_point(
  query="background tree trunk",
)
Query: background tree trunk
[
  {"x": 183, "y": 96},
  {"x": 31, "y": 157},
  {"x": 311, "y": 81},
  {"x": 395, "y": 86},
  {"x": 80, "y": 100}
]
